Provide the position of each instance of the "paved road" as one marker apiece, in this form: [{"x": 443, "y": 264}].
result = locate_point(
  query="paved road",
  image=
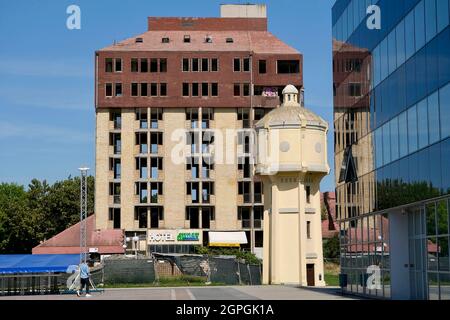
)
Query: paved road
[{"x": 203, "y": 293}]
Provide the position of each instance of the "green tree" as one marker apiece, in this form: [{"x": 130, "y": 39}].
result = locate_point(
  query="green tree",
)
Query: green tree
[
  {"x": 16, "y": 222},
  {"x": 331, "y": 248}
]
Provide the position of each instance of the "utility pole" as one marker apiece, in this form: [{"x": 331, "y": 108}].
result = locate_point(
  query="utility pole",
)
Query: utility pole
[{"x": 83, "y": 214}]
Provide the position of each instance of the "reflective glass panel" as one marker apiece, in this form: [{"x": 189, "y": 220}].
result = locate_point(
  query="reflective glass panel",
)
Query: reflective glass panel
[
  {"x": 422, "y": 129},
  {"x": 412, "y": 129}
]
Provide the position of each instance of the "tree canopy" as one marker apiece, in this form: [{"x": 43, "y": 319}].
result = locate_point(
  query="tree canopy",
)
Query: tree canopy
[{"x": 29, "y": 216}]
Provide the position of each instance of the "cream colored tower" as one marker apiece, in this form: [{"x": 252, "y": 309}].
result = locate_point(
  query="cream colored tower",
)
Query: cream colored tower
[{"x": 292, "y": 160}]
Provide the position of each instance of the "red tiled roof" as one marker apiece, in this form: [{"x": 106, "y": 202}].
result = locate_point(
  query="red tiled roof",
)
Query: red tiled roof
[
  {"x": 262, "y": 42},
  {"x": 68, "y": 241}
]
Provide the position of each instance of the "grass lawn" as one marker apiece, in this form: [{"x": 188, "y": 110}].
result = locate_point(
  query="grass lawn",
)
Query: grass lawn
[
  {"x": 332, "y": 273},
  {"x": 182, "y": 281}
]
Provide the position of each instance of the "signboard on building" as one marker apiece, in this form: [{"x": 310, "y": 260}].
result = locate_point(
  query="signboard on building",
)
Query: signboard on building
[{"x": 182, "y": 236}]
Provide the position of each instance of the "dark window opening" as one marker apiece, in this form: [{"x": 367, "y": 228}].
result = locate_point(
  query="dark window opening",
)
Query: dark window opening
[
  {"x": 134, "y": 65},
  {"x": 237, "y": 90},
  {"x": 214, "y": 65},
  {"x": 205, "y": 90},
  {"x": 205, "y": 65},
  {"x": 118, "y": 90},
  {"x": 108, "y": 89},
  {"x": 246, "y": 89},
  {"x": 246, "y": 64},
  {"x": 354, "y": 89},
  {"x": 237, "y": 65},
  {"x": 214, "y": 89},
  {"x": 185, "y": 89},
  {"x": 165, "y": 40},
  {"x": 229, "y": 40},
  {"x": 118, "y": 65},
  {"x": 154, "y": 89},
  {"x": 288, "y": 66},
  {"x": 195, "y": 65},
  {"x": 144, "y": 89},
  {"x": 163, "y": 90},
  {"x": 195, "y": 89},
  {"x": 185, "y": 65},
  {"x": 134, "y": 90},
  {"x": 262, "y": 66},
  {"x": 108, "y": 65},
  {"x": 144, "y": 65},
  {"x": 153, "y": 65},
  {"x": 187, "y": 38},
  {"x": 163, "y": 65}
]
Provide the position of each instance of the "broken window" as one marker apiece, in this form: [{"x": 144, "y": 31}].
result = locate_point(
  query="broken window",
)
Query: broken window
[
  {"x": 155, "y": 117},
  {"x": 141, "y": 116},
  {"x": 116, "y": 142},
  {"x": 207, "y": 115},
  {"x": 262, "y": 66},
  {"x": 195, "y": 65},
  {"x": 205, "y": 65},
  {"x": 237, "y": 90},
  {"x": 214, "y": 89},
  {"x": 142, "y": 216},
  {"x": 207, "y": 166},
  {"x": 114, "y": 191},
  {"x": 109, "y": 89},
  {"x": 154, "y": 89},
  {"x": 141, "y": 166},
  {"x": 153, "y": 65},
  {"x": 192, "y": 164},
  {"x": 214, "y": 65},
  {"x": 205, "y": 90},
  {"x": 118, "y": 89},
  {"x": 192, "y": 116},
  {"x": 141, "y": 141},
  {"x": 207, "y": 191},
  {"x": 246, "y": 64},
  {"x": 156, "y": 164},
  {"x": 144, "y": 89},
  {"x": 118, "y": 65},
  {"x": 163, "y": 65},
  {"x": 244, "y": 116},
  {"x": 244, "y": 165},
  {"x": 134, "y": 65},
  {"x": 144, "y": 65},
  {"x": 192, "y": 189},
  {"x": 134, "y": 90},
  {"x": 108, "y": 65},
  {"x": 156, "y": 140},
  {"x": 156, "y": 189},
  {"x": 185, "y": 65},
  {"x": 258, "y": 192},
  {"x": 237, "y": 65},
  {"x": 115, "y": 167},
  {"x": 185, "y": 89},
  {"x": 195, "y": 89},
  {"x": 116, "y": 118},
  {"x": 114, "y": 216},
  {"x": 244, "y": 191},
  {"x": 288, "y": 66},
  {"x": 163, "y": 90},
  {"x": 142, "y": 191}
]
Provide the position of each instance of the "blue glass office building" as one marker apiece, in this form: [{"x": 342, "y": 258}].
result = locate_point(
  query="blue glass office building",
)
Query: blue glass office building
[{"x": 392, "y": 146}]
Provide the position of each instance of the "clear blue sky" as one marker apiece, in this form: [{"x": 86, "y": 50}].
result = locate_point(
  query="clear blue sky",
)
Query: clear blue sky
[{"x": 47, "y": 117}]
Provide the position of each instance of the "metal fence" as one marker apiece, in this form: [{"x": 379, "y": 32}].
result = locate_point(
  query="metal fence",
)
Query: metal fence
[
  {"x": 217, "y": 269},
  {"x": 41, "y": 283}
]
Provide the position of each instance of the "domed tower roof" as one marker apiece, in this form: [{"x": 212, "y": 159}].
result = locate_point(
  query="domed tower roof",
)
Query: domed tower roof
[
  {"x": 291, "y": 114},
  {"x": 290, "y": 89}
]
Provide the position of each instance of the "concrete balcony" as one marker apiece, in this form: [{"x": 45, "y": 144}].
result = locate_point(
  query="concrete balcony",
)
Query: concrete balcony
[{"x": 266, "y": 102}]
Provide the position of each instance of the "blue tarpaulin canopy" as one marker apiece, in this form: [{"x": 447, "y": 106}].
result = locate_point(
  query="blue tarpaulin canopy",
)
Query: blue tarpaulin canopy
[{"x": 37, "y": 263}]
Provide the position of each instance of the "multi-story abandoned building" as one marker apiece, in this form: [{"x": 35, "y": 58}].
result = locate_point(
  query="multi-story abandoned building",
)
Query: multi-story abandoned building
[{"x": 172, "y": 108}]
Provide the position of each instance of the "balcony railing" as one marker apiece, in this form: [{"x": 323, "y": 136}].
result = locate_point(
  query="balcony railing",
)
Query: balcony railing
[{"x": 266, "y": 102}]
